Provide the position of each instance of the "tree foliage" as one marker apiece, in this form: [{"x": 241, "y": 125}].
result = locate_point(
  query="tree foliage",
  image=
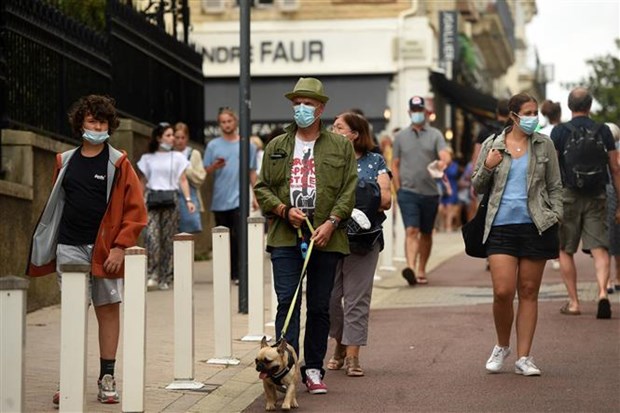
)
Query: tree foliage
[
  {"x": 88, "y": 12},
  {"x": 603, "y": 81}
]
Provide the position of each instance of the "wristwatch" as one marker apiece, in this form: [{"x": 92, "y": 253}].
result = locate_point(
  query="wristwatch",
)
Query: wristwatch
[
  {"x": 188, "y": 199},
  {"x": 334, "y": 221}
]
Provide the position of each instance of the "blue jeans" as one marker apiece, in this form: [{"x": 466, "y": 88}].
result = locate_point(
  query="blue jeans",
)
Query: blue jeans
[{"x": 287, "y": 264}]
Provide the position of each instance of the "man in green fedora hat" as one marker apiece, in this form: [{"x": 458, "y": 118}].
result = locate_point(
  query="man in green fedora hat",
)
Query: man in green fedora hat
[{"x": 308, "y": 175}]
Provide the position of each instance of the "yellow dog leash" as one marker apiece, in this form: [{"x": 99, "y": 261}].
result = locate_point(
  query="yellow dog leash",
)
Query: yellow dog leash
[{"x": 301, "y": 278}]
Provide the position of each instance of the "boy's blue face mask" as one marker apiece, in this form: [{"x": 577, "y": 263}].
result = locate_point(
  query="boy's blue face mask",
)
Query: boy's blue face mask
[
  {"x": 304, "y": 115},
  {"x": 94, "y": 137}
]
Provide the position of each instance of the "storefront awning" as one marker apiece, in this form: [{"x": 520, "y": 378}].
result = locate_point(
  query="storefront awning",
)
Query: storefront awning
[{"x": 467, "y": 98}]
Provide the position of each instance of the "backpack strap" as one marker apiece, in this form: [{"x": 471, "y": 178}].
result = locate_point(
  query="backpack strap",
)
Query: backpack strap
[{"x": 573, "y": 129}]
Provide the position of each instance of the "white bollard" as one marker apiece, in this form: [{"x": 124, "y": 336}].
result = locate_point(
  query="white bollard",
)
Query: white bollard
[
  {"x": 73, "y": 328},
  {"x": 256, "y": 280},
  {"x": 134, "y": 330},
  {"x": 274, "y": 302},
  {"x": 387, "y": 255},
  {"x": 12, "y": 343},
  {"x": 184, "y": 314},
  {"x": 222, "y": 312},
  {"x": 399, "y": 236}
]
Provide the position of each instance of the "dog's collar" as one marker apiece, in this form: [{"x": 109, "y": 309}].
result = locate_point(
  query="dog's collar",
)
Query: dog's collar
[{"x": 277, "y": 377}]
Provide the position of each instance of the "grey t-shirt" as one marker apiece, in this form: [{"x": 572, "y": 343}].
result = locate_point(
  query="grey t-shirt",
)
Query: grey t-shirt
[{"x": 415, "y": 151}]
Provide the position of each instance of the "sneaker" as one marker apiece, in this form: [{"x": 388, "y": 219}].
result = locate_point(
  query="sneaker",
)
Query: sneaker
[
  {"x": 107, "y": 390},
  {"x": 164, "y": 286},
  {"x": 56, "y": 399},
  {"x": 526, "y": 366},
  {"x": 151, "y": 283},
  {"x": 496, "y": 361},
  {"x": 314, "y": 384}
]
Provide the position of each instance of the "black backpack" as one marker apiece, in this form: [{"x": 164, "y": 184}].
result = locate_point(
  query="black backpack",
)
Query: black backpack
[
  {"x": 585, "y": 160},
  {"x": 367, "y": 200}
]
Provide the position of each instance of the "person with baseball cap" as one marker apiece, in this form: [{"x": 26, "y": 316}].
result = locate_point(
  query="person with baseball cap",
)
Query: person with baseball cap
[
  {"x": 307, "y": 188},
  {"x": 414, "y": 149}
]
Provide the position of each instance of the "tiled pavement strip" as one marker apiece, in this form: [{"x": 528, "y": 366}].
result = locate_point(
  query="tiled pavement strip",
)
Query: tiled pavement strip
[{"x": 228, "y": 388}]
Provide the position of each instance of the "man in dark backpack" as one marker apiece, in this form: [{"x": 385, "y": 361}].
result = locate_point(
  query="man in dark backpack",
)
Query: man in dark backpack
[{"x": 587, "y": 156}]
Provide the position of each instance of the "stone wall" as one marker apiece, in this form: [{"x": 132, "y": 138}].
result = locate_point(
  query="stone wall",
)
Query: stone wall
[{"x": 29, "y": 162}]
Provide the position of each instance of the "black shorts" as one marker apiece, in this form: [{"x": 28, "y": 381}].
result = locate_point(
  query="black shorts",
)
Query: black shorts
[{"x": 524, "y": 241}]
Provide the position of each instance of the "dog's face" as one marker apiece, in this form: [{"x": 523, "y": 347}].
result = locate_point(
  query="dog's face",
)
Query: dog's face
[{"x": 270, "y": 360}]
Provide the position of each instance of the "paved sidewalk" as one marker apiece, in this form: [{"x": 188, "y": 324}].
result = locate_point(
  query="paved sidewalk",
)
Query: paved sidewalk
[{"x": 456, "y": 280}]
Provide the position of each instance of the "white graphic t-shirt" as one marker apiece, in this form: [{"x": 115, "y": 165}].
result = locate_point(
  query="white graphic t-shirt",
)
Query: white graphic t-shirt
[{"x": 303, "y": 178}]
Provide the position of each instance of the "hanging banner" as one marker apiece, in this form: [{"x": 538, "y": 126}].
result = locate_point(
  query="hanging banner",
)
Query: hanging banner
[{"x": 448, "y": 36}]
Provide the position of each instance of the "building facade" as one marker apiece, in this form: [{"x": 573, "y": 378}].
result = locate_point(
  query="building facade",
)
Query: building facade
[{"x": 374, "y": 55}]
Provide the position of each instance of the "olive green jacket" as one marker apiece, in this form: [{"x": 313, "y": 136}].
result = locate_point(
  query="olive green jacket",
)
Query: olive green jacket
[
  {"x": 336, "y": 179},
  {"x": 544, "y": 184}
]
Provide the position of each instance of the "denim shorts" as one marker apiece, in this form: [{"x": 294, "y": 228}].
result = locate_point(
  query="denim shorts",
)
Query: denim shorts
[
  {"x": 524, "y": 241},
  {"x": 418, "y": 211}
]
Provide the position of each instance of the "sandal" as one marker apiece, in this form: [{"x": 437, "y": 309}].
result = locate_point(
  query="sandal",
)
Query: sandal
[
  {"x": 353, "y": 367},
  {"x": 567, "y": 311},
  {"x": 422, "y": 280},
  {"x": 337, "y": 360}
]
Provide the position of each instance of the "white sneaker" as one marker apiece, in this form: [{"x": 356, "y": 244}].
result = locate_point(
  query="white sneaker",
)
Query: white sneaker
[
  {"x": 164, "y": 286},
  {"x": 496, "y": 361},
  {"x": 151, "y": 283},
  {"x": 360, "y": 218},
  {"x": 526, "y": 366}
]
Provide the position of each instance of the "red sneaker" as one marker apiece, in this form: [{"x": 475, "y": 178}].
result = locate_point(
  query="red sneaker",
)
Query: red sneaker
[{"x": 314, "y": 384}]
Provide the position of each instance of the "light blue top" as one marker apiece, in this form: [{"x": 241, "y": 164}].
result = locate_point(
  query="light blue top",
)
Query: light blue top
[
  {"x": 226, "y": 179},
  {"x": 513, "y": 206}
]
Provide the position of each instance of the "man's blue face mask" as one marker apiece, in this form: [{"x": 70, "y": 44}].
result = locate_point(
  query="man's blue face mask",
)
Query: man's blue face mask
[
  {"x": 418, "y": 118},
  {"x": 304, "y": 115}
]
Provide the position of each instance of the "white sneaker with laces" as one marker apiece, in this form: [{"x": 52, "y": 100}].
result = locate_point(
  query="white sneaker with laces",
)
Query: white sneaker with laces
[
  {"x": 496, "y": 361},
  {"x": 526, "y": 367},
  {"x": 151, "y": 283}
]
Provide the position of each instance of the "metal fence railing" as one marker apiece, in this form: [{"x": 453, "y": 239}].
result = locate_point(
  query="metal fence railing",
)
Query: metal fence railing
[{"x": 48, "y": 60}]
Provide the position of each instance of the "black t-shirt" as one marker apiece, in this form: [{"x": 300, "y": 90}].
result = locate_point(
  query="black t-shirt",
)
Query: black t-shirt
[
  {"x": 560, "y": 134},
  {"x": 85, "y": 186}
]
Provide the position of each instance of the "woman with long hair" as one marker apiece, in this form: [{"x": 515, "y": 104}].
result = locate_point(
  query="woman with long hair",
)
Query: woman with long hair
[
  {"x": 352, "y": 291},
  {"x": 163, "y": 174},
  {"x": 520, "y": 168}
]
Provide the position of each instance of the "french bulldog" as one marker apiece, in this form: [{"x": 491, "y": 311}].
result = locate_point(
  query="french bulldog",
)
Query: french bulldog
[{"x": 279, "y": 369}]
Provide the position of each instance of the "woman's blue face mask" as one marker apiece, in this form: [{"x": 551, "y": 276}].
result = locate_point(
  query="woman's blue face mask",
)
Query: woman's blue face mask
[
  {"x": 304, "y": 115},
  {"x": 528, "y": 124}
]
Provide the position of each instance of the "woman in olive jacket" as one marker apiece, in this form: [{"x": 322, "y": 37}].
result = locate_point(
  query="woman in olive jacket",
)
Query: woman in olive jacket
[{"x": 521, "y": 169}]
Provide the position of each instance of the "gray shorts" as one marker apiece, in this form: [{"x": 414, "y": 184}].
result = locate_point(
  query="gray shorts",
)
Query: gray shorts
[{"x": 102, "y": 290}]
